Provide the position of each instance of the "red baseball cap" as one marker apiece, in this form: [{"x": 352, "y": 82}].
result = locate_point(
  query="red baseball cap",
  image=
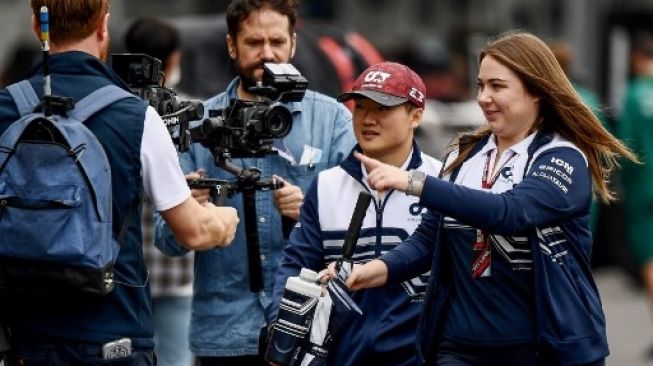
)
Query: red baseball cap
[{"x": 389, "y": 84}]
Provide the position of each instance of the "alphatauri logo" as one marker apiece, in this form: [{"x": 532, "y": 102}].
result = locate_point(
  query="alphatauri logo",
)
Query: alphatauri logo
[
  {"x": 415, "y": 209},
  {"x": 376, "y": 77}
]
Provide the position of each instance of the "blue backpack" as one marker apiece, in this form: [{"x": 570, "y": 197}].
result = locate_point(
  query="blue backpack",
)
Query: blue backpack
[{"x": 56, "y": 199}]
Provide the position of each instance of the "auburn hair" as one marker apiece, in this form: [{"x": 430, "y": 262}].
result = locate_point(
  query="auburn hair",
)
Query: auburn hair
[{"x": 71, "y": 20}]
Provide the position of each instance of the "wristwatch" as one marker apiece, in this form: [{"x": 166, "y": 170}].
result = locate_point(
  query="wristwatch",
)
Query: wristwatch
[{"x": 415, "y": 183}]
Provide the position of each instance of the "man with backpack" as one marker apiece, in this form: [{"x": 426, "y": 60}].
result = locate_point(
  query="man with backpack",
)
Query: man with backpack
[{"x": 111, "y": 327}]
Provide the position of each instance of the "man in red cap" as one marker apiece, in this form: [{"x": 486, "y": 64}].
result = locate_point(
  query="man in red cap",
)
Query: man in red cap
[{"x": 388, "y": 105}]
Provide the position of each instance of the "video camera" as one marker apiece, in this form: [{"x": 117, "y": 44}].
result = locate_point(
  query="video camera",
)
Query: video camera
[
  {"x": 247, "y": 128},
  {"x": 143, "y": 75},
  {"x": 244, "y": 129}
]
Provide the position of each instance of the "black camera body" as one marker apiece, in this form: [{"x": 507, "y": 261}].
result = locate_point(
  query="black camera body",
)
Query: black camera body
[
  {"x": 244, "y": 129},
  {"x": 248, "y": 128},
  {"x": 142, "y": 73}
]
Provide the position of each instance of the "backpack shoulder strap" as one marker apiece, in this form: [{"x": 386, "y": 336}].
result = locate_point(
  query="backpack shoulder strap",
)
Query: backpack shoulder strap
[
  {"x": 134, "y": 208},
  {"x": 97, "y": 100},
  {"x": 24, "y": 96},
  {"x": 88, "y": 106}
]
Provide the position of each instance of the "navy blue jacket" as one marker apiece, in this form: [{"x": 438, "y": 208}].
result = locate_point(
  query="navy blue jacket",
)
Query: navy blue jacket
[
  {"x": 126, "y": 311},
  {"x": 385, "y": 334},
  {"x": 570, "y": 325}
]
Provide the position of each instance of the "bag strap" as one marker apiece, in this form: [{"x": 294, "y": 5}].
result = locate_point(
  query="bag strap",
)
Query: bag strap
[
  {"x": 97, "y": 100},
  {"x": 134, "y": 208},
  {"x": 88, "y": 106},
  {"x": 26, "y": 99},
  {"x": 24, "y": 96}
]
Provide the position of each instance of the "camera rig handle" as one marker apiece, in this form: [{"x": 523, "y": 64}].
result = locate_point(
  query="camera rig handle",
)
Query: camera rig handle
[
  {"x": 249, "y": 181},
  {"x": 219, "y": 189}
]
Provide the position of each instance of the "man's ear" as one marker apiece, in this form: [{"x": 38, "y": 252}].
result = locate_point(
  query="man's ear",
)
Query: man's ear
[
  {"x": 231, "y": 47},
  {"x": 293, "y": 44},
  {"x": 416, "y": 117},
  {"x": 102, "y": 30}
]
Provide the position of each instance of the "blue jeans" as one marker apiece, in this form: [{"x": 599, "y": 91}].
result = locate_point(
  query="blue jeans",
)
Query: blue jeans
[
  {"x": 68, "y": 354},
  {"x": 171, "y": 323}
]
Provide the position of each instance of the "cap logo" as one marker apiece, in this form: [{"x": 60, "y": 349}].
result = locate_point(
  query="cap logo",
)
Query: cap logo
[
  {"x": 416, "y": 94},
  {"x": 376, "y": 77}
]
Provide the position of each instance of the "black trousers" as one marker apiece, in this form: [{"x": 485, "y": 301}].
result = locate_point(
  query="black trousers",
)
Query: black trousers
[
  {"x": 233, "y": 361},
  {"x": 455, "y": 354},
  {"x": 72, "y": 354}
]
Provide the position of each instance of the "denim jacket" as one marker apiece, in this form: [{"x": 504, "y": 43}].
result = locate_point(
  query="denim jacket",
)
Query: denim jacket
[{"x": 227, "y": 317}]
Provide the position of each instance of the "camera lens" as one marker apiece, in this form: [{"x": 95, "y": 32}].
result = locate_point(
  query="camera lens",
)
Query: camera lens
[
  {"x": 277, "y": 121},
  {"x": 211, "y": 125}
]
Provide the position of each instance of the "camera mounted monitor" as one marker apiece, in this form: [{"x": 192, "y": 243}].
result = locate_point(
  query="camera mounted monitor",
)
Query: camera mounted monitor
[
  {"x": 281, "y": 82},
  {"x": 138, "y": 70}
]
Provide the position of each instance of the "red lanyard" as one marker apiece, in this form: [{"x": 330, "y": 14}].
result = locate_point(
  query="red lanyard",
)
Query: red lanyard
[
  {"x": 486, "y": 182},
  {"x": 482, "y": 250}
]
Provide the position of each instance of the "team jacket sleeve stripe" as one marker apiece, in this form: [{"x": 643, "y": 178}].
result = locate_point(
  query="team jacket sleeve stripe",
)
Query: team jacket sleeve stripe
[{"x": 556, "y": 186}]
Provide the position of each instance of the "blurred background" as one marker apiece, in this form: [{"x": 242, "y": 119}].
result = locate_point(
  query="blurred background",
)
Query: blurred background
[{"x": 439, "y": 39}]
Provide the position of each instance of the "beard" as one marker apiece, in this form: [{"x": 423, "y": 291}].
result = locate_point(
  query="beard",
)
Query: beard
[
  {"x": 104, "y": 49},
  {"x": 247, "y": 74}
]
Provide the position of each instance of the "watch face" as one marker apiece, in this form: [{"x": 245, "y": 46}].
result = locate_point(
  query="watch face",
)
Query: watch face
[{"x": 418, "y": 175}]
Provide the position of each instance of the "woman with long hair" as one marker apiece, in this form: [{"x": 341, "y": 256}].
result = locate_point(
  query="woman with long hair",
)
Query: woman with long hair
[{"x": 506, "y": 234}]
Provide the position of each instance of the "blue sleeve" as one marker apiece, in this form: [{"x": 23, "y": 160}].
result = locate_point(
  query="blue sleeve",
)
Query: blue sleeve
[
  {"x": 557, "y": 186},
  {"x": 343, "y": 139},
  {"x": 413, "y": 256},
  {"x": 303, "y": 250},
  {"x": 164, "y": 239}
]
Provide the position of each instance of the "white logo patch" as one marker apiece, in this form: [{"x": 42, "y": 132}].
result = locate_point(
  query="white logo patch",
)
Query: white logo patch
[
  {"x": 416, "y": 94},
  {"x": 563, "y": 164},
  {"x": 376, "y": 77}
]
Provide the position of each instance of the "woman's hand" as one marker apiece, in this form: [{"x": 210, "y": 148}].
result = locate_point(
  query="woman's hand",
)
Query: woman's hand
[{"x": 381, "y": 176}]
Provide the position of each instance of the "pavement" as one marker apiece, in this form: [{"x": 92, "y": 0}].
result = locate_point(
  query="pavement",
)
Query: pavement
[{"x": 629, "y": 316}]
